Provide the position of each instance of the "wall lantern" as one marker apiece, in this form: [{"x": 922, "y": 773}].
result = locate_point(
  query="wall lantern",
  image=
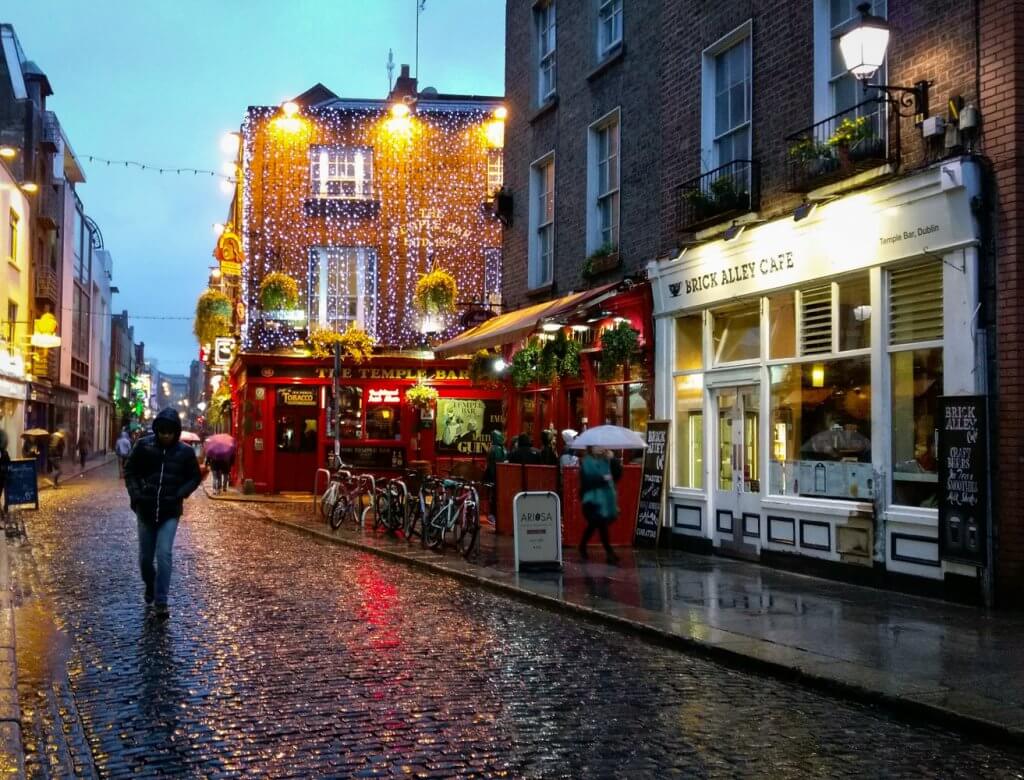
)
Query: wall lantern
[{"x": 863, "y": 44}]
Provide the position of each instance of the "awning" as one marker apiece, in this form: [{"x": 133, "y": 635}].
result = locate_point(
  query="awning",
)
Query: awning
[{"x": 515, "y": 325}]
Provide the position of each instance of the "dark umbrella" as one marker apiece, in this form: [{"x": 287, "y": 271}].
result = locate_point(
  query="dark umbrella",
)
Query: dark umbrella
[
  {"x": 220, "y": 446},
  {"x": 35, "y": 433}
]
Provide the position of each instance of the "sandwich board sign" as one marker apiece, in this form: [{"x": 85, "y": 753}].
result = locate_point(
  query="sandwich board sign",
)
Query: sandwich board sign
[
  {"x": 22, "y": 486},
  {"x": 537, "y": 530}
]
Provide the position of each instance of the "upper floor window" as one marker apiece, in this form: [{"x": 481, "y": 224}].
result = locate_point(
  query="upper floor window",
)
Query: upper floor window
[
  {"x": 542, "y": 223},
  {"x": 343, "y": 287},
  {"x": 344, "y": 172},
  {"x": 609, "y": 26},
  {"x": 603, "y": 227},
  {"x": 12, "y": 232},
  {"x": 12, "y": 320},
  {"x": 495, "y": 171},
  {"x": 546, "y": 51},
  {"x": 844, "y": 89},
  {"x": 732, "y": 103}
]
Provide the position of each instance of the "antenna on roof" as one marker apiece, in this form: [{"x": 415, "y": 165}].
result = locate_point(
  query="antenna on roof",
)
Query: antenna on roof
[
  {"x": 420, "y": 5},
  {"x": 391, "y": 68}
]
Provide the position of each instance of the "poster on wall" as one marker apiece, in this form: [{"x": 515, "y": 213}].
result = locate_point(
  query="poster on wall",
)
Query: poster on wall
[
  {"x": 464, "y": 425},
  {"x": 963, "y": 479},
  {"x": 648, "y": 516}
]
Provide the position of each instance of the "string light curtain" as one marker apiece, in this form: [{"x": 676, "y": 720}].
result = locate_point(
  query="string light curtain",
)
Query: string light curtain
[{"x": 424, "y": 210}]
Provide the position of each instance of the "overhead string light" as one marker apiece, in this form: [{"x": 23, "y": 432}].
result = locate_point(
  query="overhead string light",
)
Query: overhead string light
[
  {"x": 429, "y": 184},
  {"x": 161, "y": 169}
]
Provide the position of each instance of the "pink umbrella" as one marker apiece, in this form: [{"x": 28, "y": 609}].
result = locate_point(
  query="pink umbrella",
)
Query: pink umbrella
[
  {"x": 220, "y": 446},
  {"x": 189, "y": 438}
]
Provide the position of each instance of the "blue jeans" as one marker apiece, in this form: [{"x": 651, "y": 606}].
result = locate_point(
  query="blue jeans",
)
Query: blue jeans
[{"x": 157, "y": 541}]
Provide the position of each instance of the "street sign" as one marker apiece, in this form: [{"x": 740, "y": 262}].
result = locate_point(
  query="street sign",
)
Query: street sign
[
  {"x": 22, "y": 487},
  {"x": 648, "y": 515},
  {"x": 537, "y": 530},
  {"x": 223, "y": 351}
]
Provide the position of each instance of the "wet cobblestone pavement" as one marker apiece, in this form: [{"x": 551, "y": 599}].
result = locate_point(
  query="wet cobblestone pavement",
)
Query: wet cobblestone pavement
[{"x": 286, "y": 657}]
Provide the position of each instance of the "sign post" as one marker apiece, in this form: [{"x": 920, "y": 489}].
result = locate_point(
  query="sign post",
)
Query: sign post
[
  {"x": 648, "y": 515},
  {"x": 537, "y": 530},
  {"x": 963, "y": 479}
]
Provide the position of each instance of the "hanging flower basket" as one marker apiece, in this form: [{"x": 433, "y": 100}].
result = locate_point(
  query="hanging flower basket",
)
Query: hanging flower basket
[
  {"x": 525, "y": 367},
  {"x": 620, "y": 346},
  {"x": 421, "y": 396},
  {"x": 356, "y": 344},
  {"x": 436, "y": 293},
  {"x": 481, "y": 368},
  {"x": 213, "y": 316},
  {"x": 278, "y": 292}
]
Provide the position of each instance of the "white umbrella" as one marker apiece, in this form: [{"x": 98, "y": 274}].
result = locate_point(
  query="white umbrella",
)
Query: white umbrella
[
  {"x": 189, "y": 438},
  {"x": 611, "y": 437}
]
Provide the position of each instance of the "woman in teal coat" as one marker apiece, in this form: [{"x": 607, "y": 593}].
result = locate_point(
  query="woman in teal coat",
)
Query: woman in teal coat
[{"x": 597, "y": 494}]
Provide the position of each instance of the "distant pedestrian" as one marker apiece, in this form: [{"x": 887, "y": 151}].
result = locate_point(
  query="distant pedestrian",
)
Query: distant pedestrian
[
  {"x": 495, "y": 455},
  {"x": 160, "y": 474},
  {"x": 122, "y": 447},
  {"x": 600, "y": 503},
  {"x": 83, "y": 450},
  {"x": 548, "y": 456},
  {"x": 524, "y": 452},
  {"x": 5, "y": 468},
  {"x": 55, "y": 455},
  {"x": 569, "y": 460}
]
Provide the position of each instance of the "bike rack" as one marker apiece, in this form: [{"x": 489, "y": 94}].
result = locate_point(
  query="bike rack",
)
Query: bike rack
[{"x": 316, "y": 482}]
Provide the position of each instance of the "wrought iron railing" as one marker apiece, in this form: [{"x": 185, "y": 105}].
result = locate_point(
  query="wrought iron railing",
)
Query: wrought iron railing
[
  {"x": 719, "y": 195},
  {"x": 841, "y": 146}
]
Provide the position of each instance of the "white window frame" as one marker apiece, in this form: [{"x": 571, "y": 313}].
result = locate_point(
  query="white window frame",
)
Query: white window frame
[
  {"x": 609, "y": 15},
  {"x": 547, "y": 41},
  {"x": 361, "y": 176},
  {"x": 708, "y": 136},
  {"x": 365, "y": 294},
  {"x": 495, "y": 171},
  {"x": 824, "y": 96},
  {"x": 597, "y": 194},
  {"x": 541, "y": 255},
  {"x": 13, "y": 226}
]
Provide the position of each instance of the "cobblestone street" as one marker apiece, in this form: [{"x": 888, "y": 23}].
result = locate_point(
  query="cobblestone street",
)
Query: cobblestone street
[{"x": 286, "y": 657}]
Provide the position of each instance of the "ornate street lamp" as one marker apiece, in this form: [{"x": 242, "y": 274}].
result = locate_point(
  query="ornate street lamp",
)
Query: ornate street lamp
[{"x": 863, "y": 46}]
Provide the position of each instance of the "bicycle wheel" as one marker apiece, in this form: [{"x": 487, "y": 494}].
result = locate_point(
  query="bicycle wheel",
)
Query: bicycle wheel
[
  {"x": 392, "y": 509},
  {"x": 469, "y": 529},
  {"x": 435, "y": 527},
  {"x": 342, "y": 508},
  {"x": 327, "y": 500}
]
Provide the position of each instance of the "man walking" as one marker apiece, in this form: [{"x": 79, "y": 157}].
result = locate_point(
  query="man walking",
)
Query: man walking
[
  {"x": 160, "y": 474},
  {"x": 123, "y": 447}
]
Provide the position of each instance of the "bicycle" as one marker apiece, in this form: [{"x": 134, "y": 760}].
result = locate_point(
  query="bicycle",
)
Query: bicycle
[
  {"x": 458, "y": 514},
  {"x": 331, "y": 493},
  {"x": 351, "y": 502}
]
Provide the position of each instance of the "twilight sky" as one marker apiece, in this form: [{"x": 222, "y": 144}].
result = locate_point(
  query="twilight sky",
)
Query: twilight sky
[{"x": 160, "y": 82}]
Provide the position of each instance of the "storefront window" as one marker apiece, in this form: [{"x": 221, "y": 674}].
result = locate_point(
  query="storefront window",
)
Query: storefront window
[
  {"x": 574, "y": 403},
  {"x": 543, "y": 411},
  {"x": 611, "y": 404},
  {"x": 726, "y": 405},
  {"x": 527, "y": 413},
  {"x": 689, "y": 451},
  {"x": 821, "y": 428},
  {"x": 296, "y": 433},
  {"x": 737, "y": 332},
  {"x": 781, "y": 326},
  {"x": 350, "y": 412},
  {"x": 855, "y": 312},
  {"x": 689, "y": 344},
  {"x": 383, "y": 421},
  {"x": 639, "y": 406},
  {"x": 916, "y": 387}
]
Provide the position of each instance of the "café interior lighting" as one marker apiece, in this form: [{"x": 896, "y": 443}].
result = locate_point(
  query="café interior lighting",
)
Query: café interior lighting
[{"x": 551, "y": 327}]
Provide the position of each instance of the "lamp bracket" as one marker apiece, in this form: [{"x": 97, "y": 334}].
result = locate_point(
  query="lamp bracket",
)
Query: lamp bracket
[{"x": 907, "y": 102}]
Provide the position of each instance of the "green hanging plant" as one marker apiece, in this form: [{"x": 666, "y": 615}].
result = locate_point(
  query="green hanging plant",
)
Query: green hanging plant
[
  {"x": 570, "y": 363},
  {"x": 356, "y": 343},
  {"x": 436, "y": 293},
  {"x": 524, "y": 365},
  {"x": 278, "y": 291},
  {"x": 421, "y": 396},
  {"x": 620, "y": 346},
  {"x": 481, "y": 368},
  {"x": 219, "y": 408},
  {"x": 213, "y": 316}
]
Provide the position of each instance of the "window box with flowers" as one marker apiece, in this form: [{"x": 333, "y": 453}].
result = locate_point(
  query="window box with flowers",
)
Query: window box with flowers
[{"x": 606, "y": 258}]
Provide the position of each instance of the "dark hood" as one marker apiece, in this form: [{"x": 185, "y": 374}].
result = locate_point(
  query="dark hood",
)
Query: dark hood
[
  {"x": 168, "y": 418},
  {"x": 497, "y": 437}
]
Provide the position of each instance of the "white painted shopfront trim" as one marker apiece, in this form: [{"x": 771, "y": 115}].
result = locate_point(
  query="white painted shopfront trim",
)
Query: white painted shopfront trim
[{"x": 926, "y": 215}]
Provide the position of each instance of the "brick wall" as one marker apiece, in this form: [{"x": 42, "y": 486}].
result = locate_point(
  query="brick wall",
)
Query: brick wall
[{"x": 630, "y": 84}]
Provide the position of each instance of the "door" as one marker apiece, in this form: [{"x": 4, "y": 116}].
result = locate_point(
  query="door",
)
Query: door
[
  {"x": 737, "y": 475},
  {"x": 296, "y": 439}
]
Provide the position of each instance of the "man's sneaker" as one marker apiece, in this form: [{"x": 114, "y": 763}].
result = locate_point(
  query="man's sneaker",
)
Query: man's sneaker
[{"x": 161, "y": 612}]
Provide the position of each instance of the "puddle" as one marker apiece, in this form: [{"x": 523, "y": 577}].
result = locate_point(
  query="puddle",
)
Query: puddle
[{"x": 43, "y": 649}]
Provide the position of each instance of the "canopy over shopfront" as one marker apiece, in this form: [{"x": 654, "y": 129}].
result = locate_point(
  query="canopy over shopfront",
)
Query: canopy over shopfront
[{"x": 516, "y": 325}]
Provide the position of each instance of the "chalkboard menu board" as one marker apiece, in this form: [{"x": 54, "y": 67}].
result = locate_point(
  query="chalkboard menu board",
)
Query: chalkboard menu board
[
  {"x": 371, "y": 457},
  {"x": 963, "y": 479},
  {"x": 22, "y": 487},
  {"x": 648, "y": 516}
]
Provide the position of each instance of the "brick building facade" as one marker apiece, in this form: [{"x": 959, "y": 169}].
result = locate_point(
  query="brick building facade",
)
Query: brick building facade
[{"x": 734, "y": 152}]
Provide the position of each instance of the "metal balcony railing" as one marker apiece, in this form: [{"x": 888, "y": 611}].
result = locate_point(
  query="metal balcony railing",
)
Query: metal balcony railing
[
  {"x": 50, "y": 138},
  {"x": 719, "y": 195},
  {"x": 45, "y": 283},
  {"x": 841, "y": 146}
]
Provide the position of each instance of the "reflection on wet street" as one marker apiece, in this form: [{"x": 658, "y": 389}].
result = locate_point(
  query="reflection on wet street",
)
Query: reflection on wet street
[{"x": 287, "y": 657}]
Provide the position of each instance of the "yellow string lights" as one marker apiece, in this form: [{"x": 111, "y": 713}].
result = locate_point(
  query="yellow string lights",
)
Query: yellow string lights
[{"x": 410, "y": 200}]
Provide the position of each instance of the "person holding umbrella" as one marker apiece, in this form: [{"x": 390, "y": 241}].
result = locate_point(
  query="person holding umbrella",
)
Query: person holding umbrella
[
  {"x": 56, "y": 455},
  {"x": 220, "y": 457},
  {"x": 600, "y": 502}
]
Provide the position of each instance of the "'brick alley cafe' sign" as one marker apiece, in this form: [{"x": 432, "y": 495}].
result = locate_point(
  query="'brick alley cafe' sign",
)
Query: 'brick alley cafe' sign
[
  {"x": 963, "y": 479},
  {"x": 648, "y": 516}
]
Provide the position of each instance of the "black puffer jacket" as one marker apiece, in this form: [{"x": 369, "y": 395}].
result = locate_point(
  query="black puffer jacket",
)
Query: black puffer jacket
[{"x": 159, "y": 479}]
